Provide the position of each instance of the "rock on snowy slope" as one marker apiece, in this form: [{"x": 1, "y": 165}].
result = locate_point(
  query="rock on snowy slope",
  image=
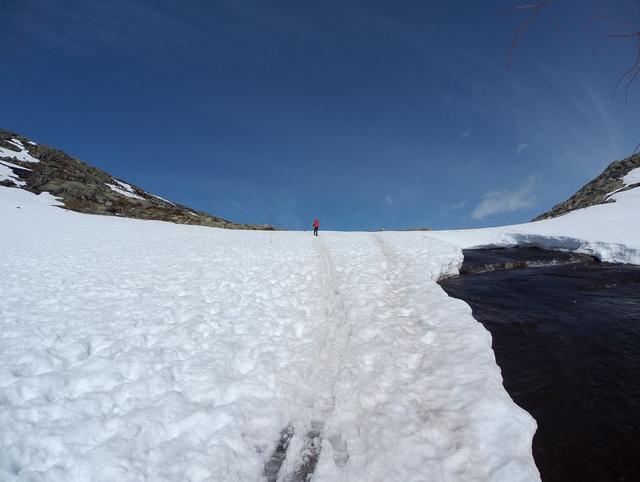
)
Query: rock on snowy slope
[
  {"x": 599, "y": 190},
  {"x": 87, "y": 189}
]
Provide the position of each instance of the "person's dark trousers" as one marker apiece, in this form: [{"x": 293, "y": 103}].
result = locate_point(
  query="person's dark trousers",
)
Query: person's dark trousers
[{"x": 315, "y": 231}]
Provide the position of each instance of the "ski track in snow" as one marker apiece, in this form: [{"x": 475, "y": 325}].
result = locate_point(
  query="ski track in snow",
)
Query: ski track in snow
[{"x": 142, "y": 350}]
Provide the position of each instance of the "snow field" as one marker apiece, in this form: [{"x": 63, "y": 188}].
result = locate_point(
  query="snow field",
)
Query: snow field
[
  {"x": 148, "y": 360},
  {"x": 139, "y": 350},
  {"x": 142, "y": 350}
]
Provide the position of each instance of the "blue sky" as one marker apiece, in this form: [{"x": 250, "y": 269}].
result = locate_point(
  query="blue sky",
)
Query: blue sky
[{"x": 368, "y": 114}]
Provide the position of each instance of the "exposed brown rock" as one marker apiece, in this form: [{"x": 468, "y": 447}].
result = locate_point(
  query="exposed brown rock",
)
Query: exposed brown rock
[
  {"x": 596, "y": 191},
  {"x": 83, "y": 188}
]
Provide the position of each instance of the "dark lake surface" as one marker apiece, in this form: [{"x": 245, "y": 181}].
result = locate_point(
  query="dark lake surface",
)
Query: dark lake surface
[{"x": 567, "y": 339}]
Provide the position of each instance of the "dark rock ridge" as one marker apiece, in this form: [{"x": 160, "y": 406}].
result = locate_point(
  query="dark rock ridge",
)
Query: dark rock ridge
[
  {"x": 85, "y": 189},
  {"x": 596, "y": 191}
]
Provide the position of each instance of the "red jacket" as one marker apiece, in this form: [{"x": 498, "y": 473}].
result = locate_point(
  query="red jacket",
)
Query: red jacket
[{"x": 316, "y": 223}]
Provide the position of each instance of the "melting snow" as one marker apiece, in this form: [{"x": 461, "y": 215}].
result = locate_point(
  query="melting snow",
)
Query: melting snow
[
  {"x": 162, "y": 199},
  {"x": 22, "y": 155},
  {"x": 633, "y": 177},
  {"x": 124, "y": 185},
  {"x": 146, "y": 350},
  {"x": 124, "y": 189},
  {"x": 6, "y": 173},
  {"x": 10, "y": 164}
]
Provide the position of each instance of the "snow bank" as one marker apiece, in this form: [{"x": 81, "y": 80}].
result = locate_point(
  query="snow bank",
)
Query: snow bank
[
  {"x": 609, "y": 231},
  {"x": 633, "y": 177},
  {"x": 33, "y": 207},
  {"x": 143, "y": 350}
]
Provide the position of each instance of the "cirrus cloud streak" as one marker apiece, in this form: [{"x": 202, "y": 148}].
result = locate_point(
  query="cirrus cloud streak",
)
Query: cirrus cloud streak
[{"x": 506, "y": 200}]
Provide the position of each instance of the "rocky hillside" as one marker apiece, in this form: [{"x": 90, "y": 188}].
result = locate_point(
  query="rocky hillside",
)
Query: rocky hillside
[
  {"x": 27, "y": 165},
  {"x": 599, "y": 190}
]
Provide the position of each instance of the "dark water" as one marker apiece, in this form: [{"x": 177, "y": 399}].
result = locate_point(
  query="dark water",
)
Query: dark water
[{"x": 567, "y": 339}]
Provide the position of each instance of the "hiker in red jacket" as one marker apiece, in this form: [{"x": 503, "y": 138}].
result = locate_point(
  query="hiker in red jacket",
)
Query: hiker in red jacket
[{"x": 316, "y": 225}]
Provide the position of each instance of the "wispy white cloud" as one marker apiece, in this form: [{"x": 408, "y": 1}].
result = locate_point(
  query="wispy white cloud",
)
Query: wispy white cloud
[
  {"x": 148, "y": 31},
  {"x": 455, "y": 206},
  {"x": 401, "y": 194},
  {"x": 452, "y": 209},
  {"x": 573, "y": 125},
  {"x": 466, "y": 134},
  {"x": 506, "y": 200},
  {"x": 521, "y": 147}
]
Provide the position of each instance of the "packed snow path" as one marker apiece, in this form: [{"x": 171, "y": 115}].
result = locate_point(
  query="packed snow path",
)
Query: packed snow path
[{"x": 137, "y": 350}]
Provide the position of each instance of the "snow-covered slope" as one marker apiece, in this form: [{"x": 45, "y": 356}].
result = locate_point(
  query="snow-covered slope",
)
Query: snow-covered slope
[
  {"x": 144, "y": 350},
  {"x": 613, "y": 178}
]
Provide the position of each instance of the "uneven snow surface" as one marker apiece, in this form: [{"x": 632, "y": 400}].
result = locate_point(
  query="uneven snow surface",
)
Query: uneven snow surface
[
  {"x": 141, "y": 350},
  {"x": 136, "y": 350}
]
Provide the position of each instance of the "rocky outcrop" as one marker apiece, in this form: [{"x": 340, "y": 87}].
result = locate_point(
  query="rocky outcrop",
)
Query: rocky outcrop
[
  {"x": 598, "y": 190},
  {"x": 87, "y": 189}
]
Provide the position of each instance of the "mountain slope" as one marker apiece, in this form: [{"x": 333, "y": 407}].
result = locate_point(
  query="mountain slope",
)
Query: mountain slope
[
  {"x": 87, "y": 189},
  {"x": 599, "y": 190}
]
